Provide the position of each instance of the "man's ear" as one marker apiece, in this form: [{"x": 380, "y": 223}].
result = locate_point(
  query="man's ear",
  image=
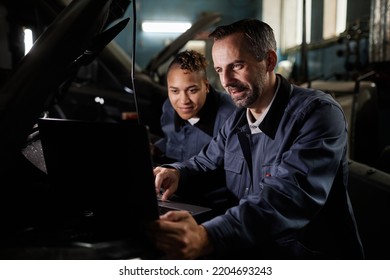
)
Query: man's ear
[{"x": 272, "y": 60}]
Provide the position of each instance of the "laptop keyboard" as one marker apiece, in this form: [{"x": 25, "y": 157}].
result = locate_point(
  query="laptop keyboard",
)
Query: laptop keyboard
[{"x": 162, "y": 210}]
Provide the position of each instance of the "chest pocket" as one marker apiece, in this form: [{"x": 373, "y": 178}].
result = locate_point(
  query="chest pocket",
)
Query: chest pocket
[{"x": 236, "y": 172}]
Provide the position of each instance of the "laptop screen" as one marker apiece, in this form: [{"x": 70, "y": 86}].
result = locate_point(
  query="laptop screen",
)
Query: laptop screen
[{"x": 99, "y": 168}]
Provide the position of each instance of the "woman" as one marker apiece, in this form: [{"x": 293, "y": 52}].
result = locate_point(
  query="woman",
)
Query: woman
[
  {"x": 193, "y": 112},
  {"x": 192, "y": 116}
]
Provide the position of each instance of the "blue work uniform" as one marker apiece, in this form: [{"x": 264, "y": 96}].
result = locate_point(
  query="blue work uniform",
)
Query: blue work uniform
[
  {"x": 183, "y": 140},
  {"x": 290, "y": 179}
]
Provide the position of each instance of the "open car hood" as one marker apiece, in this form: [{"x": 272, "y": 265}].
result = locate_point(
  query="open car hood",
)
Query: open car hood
[{"x": 71, "y": 39}]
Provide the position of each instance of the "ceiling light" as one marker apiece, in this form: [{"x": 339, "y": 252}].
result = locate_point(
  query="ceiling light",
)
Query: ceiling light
[{"x": 165, "y": 27}]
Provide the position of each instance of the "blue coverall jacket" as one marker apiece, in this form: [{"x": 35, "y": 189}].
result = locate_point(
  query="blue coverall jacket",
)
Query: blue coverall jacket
[
  {"x": 291, "y": 181},
  {"x": 183, "y": 140}
]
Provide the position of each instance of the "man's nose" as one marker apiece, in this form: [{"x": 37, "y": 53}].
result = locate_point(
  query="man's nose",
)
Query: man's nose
[{"x": 226, "y": 77}]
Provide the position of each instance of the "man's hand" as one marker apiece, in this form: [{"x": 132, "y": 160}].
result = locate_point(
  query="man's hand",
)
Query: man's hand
[
  {"x": 179, "y": 236},
  {"x": 166, "y": 180}
]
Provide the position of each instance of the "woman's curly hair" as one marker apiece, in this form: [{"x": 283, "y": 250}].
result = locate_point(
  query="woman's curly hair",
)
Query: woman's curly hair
[{"x": 190, "y": 60}]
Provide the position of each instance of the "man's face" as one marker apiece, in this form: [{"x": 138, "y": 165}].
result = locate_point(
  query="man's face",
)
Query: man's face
[
  {"x": 187, "y": 91},
  {"x": 241, "y": 74}
]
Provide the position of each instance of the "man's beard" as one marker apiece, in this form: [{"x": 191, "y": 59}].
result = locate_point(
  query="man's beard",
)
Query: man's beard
[{"x": 248, "y": 100}]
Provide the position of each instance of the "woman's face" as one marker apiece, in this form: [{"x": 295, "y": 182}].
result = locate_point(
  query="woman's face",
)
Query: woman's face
[{"x": 187, "y": 91}]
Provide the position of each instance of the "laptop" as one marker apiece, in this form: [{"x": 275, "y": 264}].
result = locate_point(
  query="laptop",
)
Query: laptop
[{"x": 104, "y": 170}]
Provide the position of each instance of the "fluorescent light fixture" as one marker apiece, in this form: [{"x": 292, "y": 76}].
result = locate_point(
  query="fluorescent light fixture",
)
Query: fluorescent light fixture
[
  {"x": 165, "y": 27},
  {"x": 28, "y": 40}
]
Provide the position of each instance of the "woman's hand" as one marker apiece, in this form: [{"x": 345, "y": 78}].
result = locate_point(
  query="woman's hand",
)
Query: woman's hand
[{"x": 166, "y": 181}]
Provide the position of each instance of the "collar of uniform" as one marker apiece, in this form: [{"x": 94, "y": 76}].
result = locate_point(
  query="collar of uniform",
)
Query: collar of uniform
[
  {"x": 271, "y": 121},
  {"x": 254, "y": 126}
]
